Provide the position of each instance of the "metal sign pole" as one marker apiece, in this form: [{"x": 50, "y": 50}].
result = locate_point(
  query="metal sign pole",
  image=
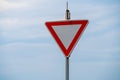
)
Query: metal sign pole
[
  {"x": 67, "y": 68},
  {"x": 67, "y": 17}
]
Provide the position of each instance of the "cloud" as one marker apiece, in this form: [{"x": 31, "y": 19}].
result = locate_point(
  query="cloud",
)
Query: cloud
[
  {"x": 6, "y": 5},
  {"x": 28, "y": 50},
  {"x": 22, "y": 29},
  {"x": 93, "y": 12},
  {"x": 23, "y": 58},
  {"x": 8, "y": 23},
  {"x": 9, "y": 5},
  {"x": 17, "y": 23}
]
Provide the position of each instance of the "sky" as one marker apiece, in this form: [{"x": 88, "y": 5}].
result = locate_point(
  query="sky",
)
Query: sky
[{"x": 28, "y": 51}]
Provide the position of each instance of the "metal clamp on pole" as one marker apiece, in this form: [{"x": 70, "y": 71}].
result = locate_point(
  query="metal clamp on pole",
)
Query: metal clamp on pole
[{"x": 67, "y": 15}]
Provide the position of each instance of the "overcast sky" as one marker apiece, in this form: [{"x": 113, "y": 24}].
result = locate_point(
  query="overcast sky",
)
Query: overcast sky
[{"x": 28, "y": 51}]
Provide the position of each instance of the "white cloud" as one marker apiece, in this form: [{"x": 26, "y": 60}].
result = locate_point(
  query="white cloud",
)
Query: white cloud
[
  {"x": 103, "y": 24},
  {"x": 8, "y": 5},
  {"x": 17, "y": 29},
  {"x": 24, "y": 57},
  {"x": 25, "y": 47},
  {"x": 13, "y": 23},
  {"x": 20, "y": 45},
  {"x": 9, "y": 23},
  {"x": 107, "y": 41},
  {"x": 94, "y": 11}
]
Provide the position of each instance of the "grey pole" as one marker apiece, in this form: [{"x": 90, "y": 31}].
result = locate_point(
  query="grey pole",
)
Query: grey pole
[
  {"x": 67, "y": 68},
  {"x": 67, "y": 17}
]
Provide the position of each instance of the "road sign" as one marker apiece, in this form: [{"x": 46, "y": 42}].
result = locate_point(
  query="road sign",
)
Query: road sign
[{"x": 67, "y": 33}]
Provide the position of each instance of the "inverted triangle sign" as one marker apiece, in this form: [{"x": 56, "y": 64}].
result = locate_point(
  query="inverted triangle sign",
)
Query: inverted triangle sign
[{"x": 67, "y": 33}]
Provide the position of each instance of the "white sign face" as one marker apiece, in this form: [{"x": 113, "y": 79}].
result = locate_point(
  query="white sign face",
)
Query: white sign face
[{"x": 66, "y": 33}]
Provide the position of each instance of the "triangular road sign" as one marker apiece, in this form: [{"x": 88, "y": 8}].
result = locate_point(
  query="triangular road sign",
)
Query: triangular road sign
[{"x": 67, "y": 33}]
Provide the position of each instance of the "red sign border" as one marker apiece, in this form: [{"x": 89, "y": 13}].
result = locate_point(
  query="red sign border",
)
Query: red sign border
[{"x": 68, "y": 51}]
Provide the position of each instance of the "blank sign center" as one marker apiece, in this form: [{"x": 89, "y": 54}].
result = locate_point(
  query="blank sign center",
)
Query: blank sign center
[{"x": 66, "y": 33}]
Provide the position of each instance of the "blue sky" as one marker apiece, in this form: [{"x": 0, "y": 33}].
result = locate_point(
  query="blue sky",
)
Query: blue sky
[{"x": 28, "y": 51}]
